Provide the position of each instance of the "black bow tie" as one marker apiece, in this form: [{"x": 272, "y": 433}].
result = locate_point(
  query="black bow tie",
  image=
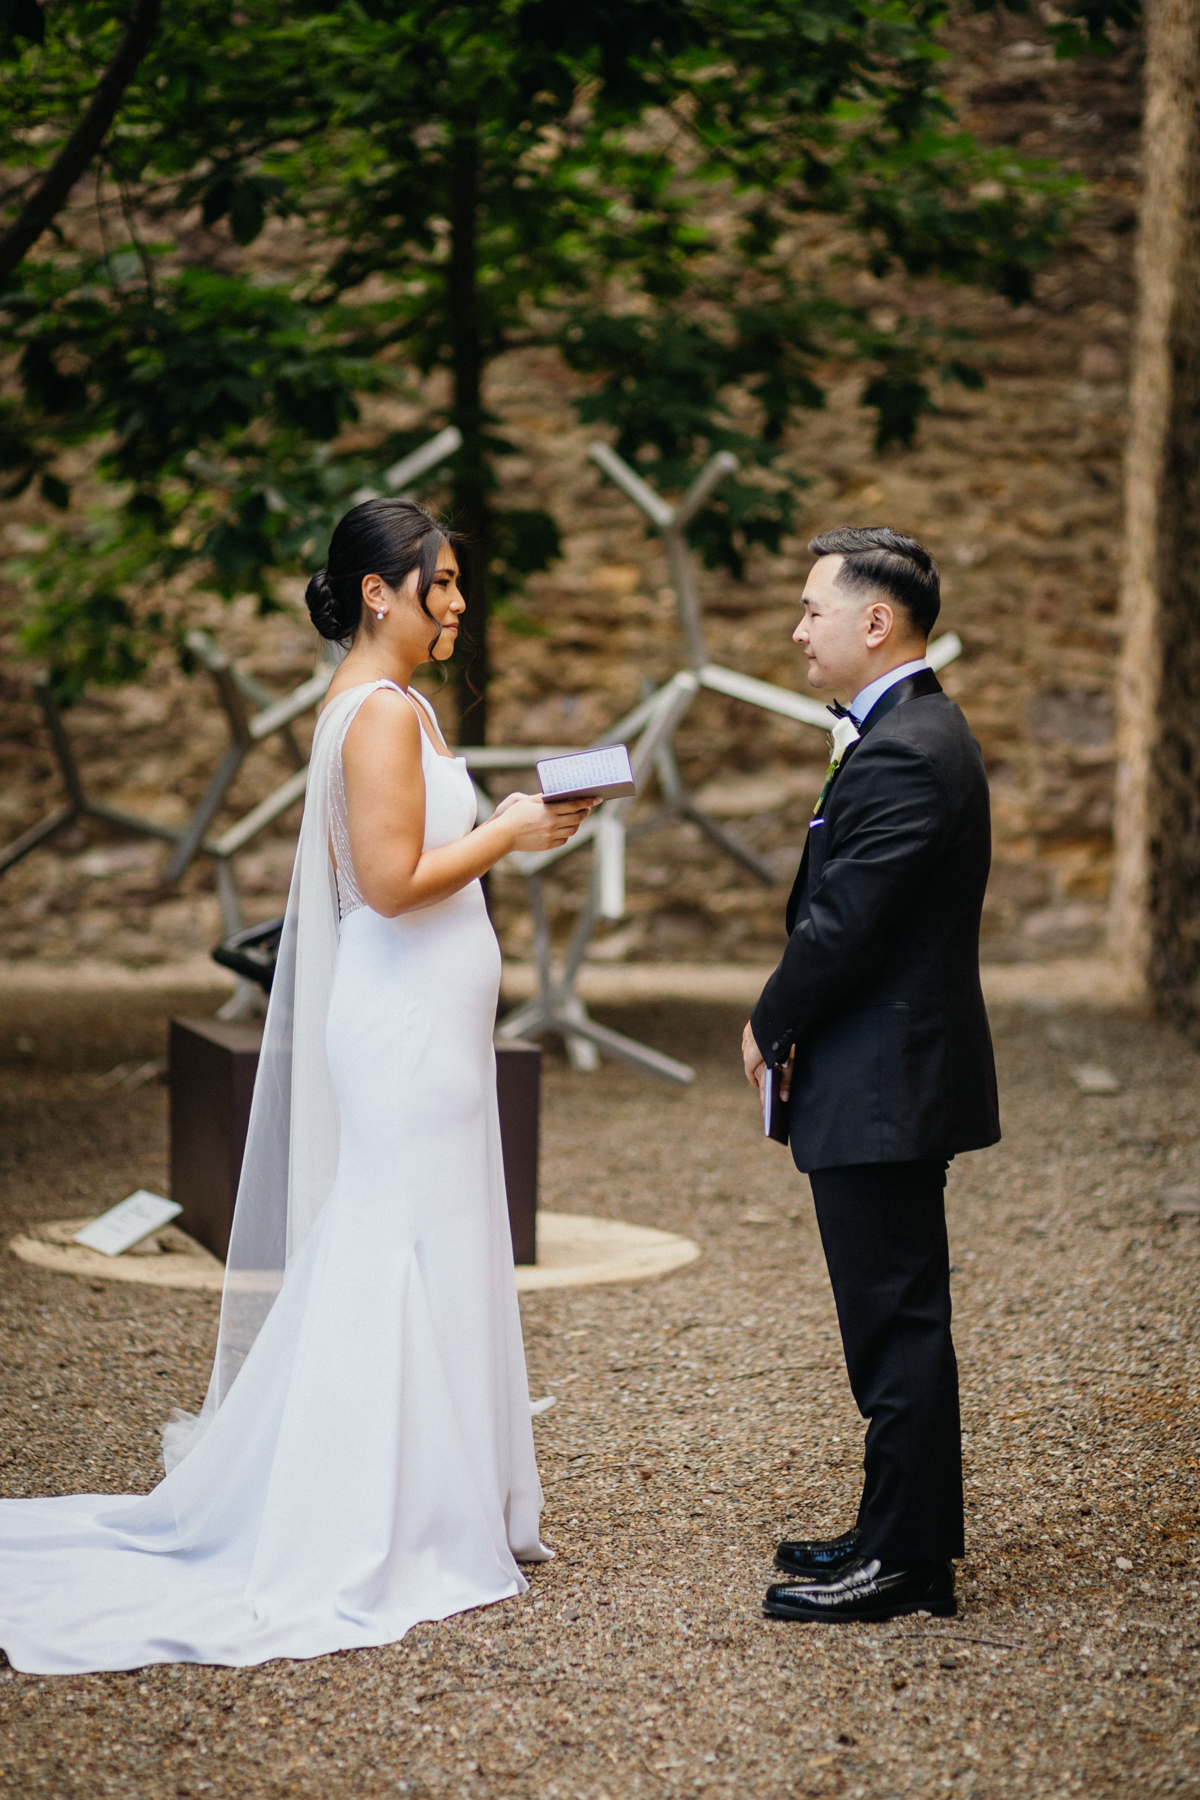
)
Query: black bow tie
[{"x": 838, "y": 710}]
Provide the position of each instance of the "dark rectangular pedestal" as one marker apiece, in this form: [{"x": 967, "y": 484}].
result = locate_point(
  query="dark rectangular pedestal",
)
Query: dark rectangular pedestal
[
  {"x": 519, "y": 1091},
  {"x": 212, "y": 1069},
  {"x": 213, "y": 1065}
]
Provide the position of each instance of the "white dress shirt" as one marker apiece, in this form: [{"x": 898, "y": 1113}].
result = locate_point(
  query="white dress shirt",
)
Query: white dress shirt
[{"x": 863, "y": 701}]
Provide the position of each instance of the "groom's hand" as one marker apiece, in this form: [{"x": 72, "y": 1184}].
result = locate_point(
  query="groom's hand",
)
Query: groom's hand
[{"x": 752, "y": 1058}]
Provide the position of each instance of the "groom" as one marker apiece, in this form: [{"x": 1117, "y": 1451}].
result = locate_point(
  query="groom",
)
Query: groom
[{"x": 877, "y": 1002}]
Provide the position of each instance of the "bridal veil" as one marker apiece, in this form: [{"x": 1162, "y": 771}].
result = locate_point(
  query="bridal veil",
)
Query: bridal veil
[{"x": 291, "y": 1154}]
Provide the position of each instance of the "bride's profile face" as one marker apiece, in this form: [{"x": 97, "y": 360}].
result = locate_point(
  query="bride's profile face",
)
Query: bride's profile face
[
  {"x": 407, "y": 623},
  {"x": 444, "y": 602}
]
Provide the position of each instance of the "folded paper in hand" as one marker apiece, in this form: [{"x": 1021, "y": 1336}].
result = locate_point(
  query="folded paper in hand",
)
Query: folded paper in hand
[
  {"x": 603, "y": 774},
  {"x": 775, "y": 1108}
]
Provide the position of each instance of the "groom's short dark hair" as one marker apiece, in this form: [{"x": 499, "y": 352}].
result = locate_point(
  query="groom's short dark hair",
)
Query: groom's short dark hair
[{"x": 877, "y": 557}]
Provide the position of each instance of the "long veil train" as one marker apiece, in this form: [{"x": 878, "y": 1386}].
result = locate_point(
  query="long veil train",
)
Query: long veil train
[{"x": 291, "y": 1156}]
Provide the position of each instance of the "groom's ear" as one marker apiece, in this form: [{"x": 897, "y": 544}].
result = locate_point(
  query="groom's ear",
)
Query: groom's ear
[{"x": 882, "y": 621}]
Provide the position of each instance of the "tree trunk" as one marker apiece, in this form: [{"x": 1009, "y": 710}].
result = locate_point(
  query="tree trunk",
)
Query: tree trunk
[
  {"x": 472, "y": 478},
  {"x": 1155, "y": 913},
  {"x": 51, "y": 193}
]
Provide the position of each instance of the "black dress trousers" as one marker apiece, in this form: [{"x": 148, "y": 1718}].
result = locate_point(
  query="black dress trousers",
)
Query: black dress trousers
[{"x": 883, "y": 1228}]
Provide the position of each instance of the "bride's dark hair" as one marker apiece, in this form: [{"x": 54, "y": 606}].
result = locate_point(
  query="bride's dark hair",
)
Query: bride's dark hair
[{"x": 388, "y": 538}]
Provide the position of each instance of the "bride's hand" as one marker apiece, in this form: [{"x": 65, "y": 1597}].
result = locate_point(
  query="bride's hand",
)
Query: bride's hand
[{"x": 535, "y": 825}]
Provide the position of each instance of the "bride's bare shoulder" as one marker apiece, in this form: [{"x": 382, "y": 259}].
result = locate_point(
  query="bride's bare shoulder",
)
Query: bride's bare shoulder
[{"x": 385, "y": 722}]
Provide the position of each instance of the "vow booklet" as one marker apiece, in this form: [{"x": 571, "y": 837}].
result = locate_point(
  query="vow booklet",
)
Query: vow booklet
[
  {"x": 603, "y": 774},
  {"x": 775, "y": 1111}
]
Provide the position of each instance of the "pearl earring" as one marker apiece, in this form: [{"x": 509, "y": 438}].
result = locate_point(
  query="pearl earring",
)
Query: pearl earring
[{"x": 379, "y": 614}]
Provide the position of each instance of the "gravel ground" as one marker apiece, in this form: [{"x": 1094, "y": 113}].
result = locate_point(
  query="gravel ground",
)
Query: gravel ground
[{"x": 699, "y": 1419}]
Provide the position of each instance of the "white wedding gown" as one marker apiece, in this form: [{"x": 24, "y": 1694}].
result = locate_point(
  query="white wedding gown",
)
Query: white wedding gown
[{"x": 372, "y": 1464}]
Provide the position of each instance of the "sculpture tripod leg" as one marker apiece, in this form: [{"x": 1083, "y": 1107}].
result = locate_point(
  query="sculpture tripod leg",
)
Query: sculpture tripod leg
[
  {"x": 78, "y": 804},
  {"x": 557, "y": 1007},
  {"x": 679, "y": 799}
]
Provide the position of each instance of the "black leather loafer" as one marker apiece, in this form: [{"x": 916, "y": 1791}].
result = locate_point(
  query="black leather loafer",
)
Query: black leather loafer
[
  {"x": 819, "y": 1557},
  {"x": 866, "y": 1589}
]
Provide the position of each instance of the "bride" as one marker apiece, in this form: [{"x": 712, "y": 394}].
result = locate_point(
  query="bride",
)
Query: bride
[{"x": 364, "y": 1457}]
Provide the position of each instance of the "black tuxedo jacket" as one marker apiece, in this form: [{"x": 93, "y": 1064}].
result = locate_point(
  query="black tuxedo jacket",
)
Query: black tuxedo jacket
[{"x": 878, "y": 988}]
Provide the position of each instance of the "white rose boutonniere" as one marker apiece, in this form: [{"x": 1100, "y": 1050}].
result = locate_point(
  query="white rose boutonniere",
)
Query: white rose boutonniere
[{"x": 844, "y": 733}]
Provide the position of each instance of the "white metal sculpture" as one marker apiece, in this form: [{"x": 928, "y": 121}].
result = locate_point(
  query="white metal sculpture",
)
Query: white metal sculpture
[
  {"x": 649, "y": 729},
  {"x": 557, "y": 1007}
]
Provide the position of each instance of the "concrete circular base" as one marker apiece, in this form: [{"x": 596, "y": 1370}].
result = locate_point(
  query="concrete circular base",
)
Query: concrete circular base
[
  {"x": 573, "y": 1251},
  {"x": 168, "y": 1258}
]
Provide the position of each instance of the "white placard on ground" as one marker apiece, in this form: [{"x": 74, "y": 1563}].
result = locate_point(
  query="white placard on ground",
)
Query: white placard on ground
[{"x": 127, "y": 1223}]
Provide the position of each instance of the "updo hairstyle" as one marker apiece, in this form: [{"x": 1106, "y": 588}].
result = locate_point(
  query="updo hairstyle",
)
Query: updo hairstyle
[{"x": 384, "y": 537}]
